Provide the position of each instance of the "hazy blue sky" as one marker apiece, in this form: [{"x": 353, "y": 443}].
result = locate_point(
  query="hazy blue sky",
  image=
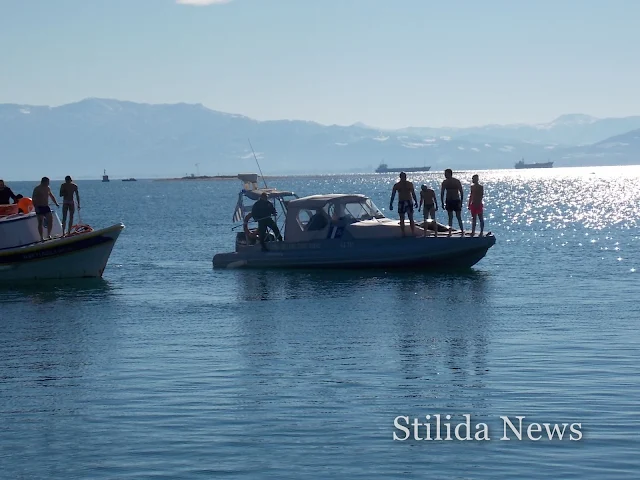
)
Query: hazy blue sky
[{"x": 388, "y": 63}]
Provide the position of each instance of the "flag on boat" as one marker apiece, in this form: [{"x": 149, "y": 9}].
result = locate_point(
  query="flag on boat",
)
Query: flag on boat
[{"x": 241, "y": 209}]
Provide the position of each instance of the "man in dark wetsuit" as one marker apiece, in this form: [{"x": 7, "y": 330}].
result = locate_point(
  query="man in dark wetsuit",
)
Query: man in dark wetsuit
[
  {"x": 405, "y": 204},
  {"x": 41, "y": 195},
  {"x": 261, "y": 212},
  {"x": 453, "y": 188},
  {"x": 6, "y": 194},
  {"x": 67, "y": 189}
]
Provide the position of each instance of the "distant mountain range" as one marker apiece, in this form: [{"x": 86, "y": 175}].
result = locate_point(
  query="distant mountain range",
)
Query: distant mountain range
[
  {"x": 566, "y": 130},
  {"x": 140, "y": 140}
]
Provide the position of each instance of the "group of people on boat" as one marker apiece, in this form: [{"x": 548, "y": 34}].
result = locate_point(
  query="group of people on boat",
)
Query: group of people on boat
[
  {"x": 451, "y": 198},
  {"x": 451, "y": 190},
  {"x": 39, "y": 202}
]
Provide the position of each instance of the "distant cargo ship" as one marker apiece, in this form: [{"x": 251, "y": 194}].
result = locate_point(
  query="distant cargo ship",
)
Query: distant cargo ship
[
  {"x": 129, "y": 180},
  {"x": 384, "y": 168},
  {"x": 521, "y": 164}
]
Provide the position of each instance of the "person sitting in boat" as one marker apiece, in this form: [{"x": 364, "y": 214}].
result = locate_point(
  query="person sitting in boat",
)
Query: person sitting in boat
[
  {"x": 318, "y": 221},
  {"x": 339, "y": 217},
  {"x": 261, "y": 212},
  {"x": 6, "y": 194}
]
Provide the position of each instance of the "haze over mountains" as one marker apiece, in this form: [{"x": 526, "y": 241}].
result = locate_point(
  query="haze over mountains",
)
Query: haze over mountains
[{"x": 145, "y": 141}]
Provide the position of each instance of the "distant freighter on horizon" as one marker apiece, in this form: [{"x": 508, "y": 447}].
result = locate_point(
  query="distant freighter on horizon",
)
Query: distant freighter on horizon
[
  {"x": 521, "y": 164},
  {"x": 384, "y": 168}
]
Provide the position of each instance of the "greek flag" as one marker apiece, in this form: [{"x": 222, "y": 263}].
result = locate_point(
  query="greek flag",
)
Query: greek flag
[{"x": 241, "y": 210}]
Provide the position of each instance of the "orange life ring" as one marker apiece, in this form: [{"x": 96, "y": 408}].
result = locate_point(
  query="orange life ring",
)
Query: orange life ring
[
  {"x": 6, "y": 210},
  {"x": 25, "y": 205},
  {"x": 81, "y": 228},
  {"x": 249, "y": 234}
]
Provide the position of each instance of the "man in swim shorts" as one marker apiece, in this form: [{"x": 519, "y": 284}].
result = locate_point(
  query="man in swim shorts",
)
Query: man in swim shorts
[
  {"x": 428, "y": 199},
  {"x": 475, "y": 204},
  {"x": 405, "y": 205},
  {"x": 453, "y": 189},
  {"x": 40, "y": 198},
  {"x": 67, "y": 189}
]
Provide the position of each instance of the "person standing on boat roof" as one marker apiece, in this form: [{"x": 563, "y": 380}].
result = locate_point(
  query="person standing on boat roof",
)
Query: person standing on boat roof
[
  {"x": 40, "y": 198},
  {"x": 428, "y": 198},
  {"x": 6, "y": 194},
  {"x": 405, "y": 205},
  {"x": 475, "y": 204},
  {"x": 261, "y": 212},
  {"x": 455, "y": 194},
  {"x": 67, "y": 189}
]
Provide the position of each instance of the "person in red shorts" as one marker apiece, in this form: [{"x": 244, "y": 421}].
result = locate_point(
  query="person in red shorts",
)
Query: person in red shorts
[{"x": 475, "y": 205}]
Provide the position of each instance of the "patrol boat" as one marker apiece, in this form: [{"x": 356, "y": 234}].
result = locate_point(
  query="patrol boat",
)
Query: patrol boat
[
  {"x": 347, "y": 231},
  {"x": 23, "y": 256}
]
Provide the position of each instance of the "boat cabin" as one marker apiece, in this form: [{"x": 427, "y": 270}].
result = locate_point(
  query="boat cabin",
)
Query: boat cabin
[{"x": 329, "y": 217}]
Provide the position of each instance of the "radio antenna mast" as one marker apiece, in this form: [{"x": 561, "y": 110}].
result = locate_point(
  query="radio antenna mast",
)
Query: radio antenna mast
[{"x": 258, "y": 163}]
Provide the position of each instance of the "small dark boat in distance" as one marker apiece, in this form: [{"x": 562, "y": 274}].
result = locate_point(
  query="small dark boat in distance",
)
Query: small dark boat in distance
[
  {"x": 521, "y": 164},
  {"x": 384, "y": 168},
  {"x": 129, "y": 180},
  {"x": 105, "y": 177}
]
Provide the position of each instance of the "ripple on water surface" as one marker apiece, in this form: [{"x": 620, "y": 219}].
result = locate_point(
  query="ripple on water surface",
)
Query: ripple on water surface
[{"x": 168, "y": 368}]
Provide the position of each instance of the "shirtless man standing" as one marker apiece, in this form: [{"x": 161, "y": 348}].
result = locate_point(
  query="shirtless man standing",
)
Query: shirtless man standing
[
  {"x": 453, "y": 187},
  {"x": 67, "y": 189},
  {"x": 475, "y": 204},
  {"x": 40, "y": 198},
  {"x": 405, "y": 205},
  {"x": 428, "y": 198}
]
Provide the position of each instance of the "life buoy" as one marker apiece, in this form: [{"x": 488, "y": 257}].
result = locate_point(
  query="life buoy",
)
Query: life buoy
[
  {"x": 249, "y": 234},
  {"x": 81, "y": 228},
  {"x": 6, "y": 210},
  {"x": 25, "y": 205}
]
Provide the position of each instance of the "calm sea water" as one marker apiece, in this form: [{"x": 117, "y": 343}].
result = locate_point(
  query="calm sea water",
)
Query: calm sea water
[{"x": 169, "y": 369}]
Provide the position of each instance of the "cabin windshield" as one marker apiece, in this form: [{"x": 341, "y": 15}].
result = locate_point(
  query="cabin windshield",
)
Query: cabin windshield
[{"x": 354, "y": 211}]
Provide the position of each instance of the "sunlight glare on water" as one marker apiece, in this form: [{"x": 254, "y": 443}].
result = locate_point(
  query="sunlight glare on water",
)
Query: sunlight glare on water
[{"x": 167, "y": 368}]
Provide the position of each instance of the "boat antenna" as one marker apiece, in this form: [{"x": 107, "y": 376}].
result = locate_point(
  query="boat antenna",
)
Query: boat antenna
[
  {"x": 282, "y": 204},
  {"x": 258, "y": 163}
]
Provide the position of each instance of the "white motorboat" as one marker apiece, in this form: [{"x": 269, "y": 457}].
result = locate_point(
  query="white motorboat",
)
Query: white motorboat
[
  {"x": 23, "y": 256},
  {"x": 347, "y": 231}
]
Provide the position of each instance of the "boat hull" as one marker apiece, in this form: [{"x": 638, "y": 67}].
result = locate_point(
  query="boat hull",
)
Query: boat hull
[
  {"x": 78, "y": 256},
  {"x": 520, "y": 166},
  {"x": 443, "y": 252}
]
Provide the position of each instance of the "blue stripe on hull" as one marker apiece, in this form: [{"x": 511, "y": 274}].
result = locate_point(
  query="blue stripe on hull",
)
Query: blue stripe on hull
[{"x": 53, "y": 250}]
